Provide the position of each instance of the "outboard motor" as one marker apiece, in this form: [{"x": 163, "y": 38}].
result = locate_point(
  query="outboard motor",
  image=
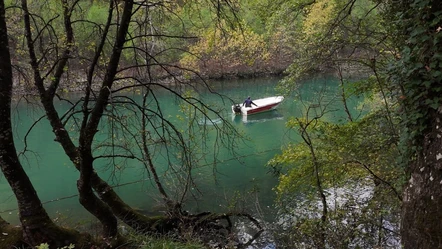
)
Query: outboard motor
[{"x": 237, "y": 109}]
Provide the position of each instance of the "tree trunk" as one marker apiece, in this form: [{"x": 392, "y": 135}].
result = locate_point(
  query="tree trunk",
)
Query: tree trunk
[
  {"x": 422, "y": 202},
  {"x": 419, "y": 75},
  {"x": 92, "y": 203},
  {"x": 89, "y": 128},
  {"x": 124, "y": 212},
  {"x": 37, "y": 226},
  {"x": 32, "y": 215}
]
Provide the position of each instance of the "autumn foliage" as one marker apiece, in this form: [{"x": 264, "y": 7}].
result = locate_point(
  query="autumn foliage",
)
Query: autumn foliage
[{"x": 224, "y": 53}]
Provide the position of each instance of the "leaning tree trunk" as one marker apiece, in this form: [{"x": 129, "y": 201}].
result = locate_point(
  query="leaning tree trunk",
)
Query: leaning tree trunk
[
  {"x": 124, "y": 212},
  {"x": 87, "y": 197},
  {"x": 37, "y": 225},
  {"x": 89, "y": 128}
]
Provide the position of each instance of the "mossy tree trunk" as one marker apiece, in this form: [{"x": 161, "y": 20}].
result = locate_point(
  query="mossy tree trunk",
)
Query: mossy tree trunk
[{"x": 419, "y": 74}]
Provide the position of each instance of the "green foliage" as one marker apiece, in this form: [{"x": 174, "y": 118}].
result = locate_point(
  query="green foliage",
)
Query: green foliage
[
  {"x": 336, "y": 37},
  {"x": 418, "y": 70},
  {"x": 320, "y": 15},
  {"x": 168, "y": 244},
  {"x": 152, "y": 242},
  {"x": 97, "y": 13},
  {"x": 231, "y": 52},
  {"x": 340, "y": 148},
  {"x": 254, "y": 14},
  {"x": 332, "y": 36},
  {"x": 9, "y": 3},
  {"x": 46, "y": 246},
  {"x": 147, "y": 243},
  {"x": 352, "y": 159}
]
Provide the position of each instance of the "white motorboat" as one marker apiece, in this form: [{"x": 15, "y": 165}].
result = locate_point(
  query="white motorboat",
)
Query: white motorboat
[{"x": 262, "y": 105}]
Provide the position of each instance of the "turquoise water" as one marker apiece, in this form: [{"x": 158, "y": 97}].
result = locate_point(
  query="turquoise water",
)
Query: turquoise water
[{"x": 240, "y": 180}]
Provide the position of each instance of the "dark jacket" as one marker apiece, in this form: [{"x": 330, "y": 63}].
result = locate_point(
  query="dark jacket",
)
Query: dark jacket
[{"x": 248, "y": 103}]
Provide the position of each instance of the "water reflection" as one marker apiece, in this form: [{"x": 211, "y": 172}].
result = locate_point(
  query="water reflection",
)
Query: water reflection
[{"x": 257, "y": 118}]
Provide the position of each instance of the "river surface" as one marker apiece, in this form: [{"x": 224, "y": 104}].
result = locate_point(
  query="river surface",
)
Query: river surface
[{"x": 243, "y": 181}]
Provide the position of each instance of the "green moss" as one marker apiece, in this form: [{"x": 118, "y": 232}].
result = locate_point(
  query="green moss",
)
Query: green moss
[
  {"x": 11, "y": 237},
  {"x": 144, "y": 242}
]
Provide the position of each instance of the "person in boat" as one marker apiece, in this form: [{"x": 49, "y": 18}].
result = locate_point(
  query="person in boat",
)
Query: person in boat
[{"x": 248, "y": 102}]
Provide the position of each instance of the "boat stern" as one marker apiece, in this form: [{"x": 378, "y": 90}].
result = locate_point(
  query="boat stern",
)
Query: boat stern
[{"x": 236, "y": 109}]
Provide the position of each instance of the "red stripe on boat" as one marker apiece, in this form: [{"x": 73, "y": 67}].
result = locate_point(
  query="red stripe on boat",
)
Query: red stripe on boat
[{"x": 262, "y": 108}]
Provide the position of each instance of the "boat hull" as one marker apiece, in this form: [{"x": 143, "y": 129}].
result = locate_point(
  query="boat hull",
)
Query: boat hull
[{"x": 263, "y": 105}]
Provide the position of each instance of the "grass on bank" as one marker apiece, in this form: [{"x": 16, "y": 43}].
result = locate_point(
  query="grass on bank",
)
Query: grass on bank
[{"x": 146, "y": 243}]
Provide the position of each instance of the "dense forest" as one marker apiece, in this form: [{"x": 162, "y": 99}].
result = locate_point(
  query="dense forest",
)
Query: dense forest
[{"x": 370, "y": 181}]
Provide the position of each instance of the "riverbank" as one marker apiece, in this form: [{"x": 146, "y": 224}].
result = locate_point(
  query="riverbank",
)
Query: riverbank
[{"x": 77, "y": 83}]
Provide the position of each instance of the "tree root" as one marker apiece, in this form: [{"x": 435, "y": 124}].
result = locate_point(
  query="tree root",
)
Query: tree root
[{"x": 209, "y": 228}]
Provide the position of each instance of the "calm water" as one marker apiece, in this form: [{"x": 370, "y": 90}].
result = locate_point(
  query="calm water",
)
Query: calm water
[{"x": 244, "y": 180}]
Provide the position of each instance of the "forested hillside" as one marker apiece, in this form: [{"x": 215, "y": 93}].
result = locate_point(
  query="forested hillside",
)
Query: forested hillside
[{"x": 207, "y": 40}]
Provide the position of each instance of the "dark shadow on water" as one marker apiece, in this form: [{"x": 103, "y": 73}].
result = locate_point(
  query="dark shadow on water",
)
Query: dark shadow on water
[{"x": 246, "y": 119}]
